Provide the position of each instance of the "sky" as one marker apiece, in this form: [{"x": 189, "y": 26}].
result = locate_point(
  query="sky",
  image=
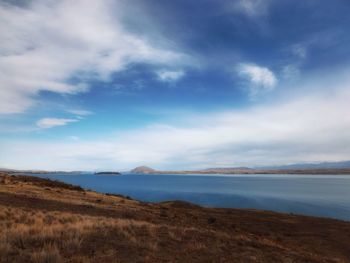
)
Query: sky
[{"x": 185, "y": 84}]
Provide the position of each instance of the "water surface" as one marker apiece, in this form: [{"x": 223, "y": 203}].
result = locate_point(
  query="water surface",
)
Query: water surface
[{"x": 318, "y": 195}]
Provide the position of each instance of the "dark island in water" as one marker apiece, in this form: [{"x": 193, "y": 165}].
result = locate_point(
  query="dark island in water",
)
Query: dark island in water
[
  {"x": 50, "y": 221},
  {"x": 107, "y": 173}
]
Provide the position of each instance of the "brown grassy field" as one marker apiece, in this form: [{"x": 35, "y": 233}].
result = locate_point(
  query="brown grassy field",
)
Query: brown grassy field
[{"x": 47, "y": 221}]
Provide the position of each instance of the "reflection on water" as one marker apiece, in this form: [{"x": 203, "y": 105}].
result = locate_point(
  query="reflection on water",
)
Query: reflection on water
[{"x": 319, "y": 195}]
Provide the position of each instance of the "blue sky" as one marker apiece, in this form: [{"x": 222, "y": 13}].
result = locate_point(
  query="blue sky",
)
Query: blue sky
[{"x": 114, "y": 84}]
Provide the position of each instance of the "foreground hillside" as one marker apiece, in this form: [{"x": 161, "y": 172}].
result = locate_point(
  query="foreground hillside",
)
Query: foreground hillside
[{"x": 48, "y": 221}]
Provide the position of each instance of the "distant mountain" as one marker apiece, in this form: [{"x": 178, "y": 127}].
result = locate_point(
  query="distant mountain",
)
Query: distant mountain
[
  {"x": 226, "y": 170},
  {"x": 5, "y": 170},
  {"x": 323, "y": 165},
  {"x": 148, "y": 170},
  {"x": 38, "y": 171},
  {"x": 142, "y": 170},
  {"x": 288, "y": 169}
]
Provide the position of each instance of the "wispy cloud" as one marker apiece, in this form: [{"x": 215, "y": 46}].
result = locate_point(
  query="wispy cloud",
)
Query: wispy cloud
[
  {"x": 261, "y": 79},
  {"x": 291, "y": 72},
  {"x": 252, "y": 8},
  {"x": 309, "y": 128},
  {"x": 300, "y": 50},
  {"x": 320, "y": 40},
  {"x": 80, "y": 112},
  {"x": 47, "y": 123},
  {"x": 46, "y": 43},
  {"x": 170, "y": 75}
]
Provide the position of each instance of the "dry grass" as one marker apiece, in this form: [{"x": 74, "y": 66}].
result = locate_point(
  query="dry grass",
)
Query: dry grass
[
  {"x": 38, "y": 223},
  {"x": 39, "y": 236},
  {"x": 53, "y": 190},
  {"x": 48, "y": 254},
  {"x": 51, "y": 236}
]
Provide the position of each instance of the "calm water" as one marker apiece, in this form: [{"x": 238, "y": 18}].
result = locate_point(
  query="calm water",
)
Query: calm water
[{"x": 319, "y": 195}]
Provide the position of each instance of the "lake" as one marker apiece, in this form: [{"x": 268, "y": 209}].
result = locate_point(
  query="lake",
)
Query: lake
[{"x": 318, "y": 195}]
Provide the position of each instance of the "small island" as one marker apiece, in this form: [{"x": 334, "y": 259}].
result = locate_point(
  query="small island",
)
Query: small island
[{"x": 107, "y": 173}]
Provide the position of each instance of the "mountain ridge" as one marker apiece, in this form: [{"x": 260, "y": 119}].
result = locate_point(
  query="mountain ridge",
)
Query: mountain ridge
[{"x": 321, "y": 168}]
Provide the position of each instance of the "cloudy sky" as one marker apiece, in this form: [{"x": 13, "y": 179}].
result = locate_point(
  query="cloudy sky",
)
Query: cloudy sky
[{"x": 113, "y": 84}]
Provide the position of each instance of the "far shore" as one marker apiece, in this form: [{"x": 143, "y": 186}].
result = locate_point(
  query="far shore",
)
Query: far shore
[
  {"x": 225, "y": 171},
  {"x": 147, "y": 170}
]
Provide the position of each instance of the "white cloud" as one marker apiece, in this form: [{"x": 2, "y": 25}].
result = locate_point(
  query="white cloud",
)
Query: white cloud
[
  {"x": 46, "y": 43},
  {"x": 47, "y": 123},
  {"x": 310, "y": 128},
  {"x": 261, "y": 79},
  {"x": 170, "y": 75}
]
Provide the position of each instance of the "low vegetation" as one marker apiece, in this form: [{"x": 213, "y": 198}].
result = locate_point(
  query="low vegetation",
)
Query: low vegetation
[{"x": 44, "y": 221}]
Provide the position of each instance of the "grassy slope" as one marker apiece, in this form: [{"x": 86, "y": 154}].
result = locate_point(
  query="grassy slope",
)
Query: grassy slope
[{"x": 45, "y": 221}]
